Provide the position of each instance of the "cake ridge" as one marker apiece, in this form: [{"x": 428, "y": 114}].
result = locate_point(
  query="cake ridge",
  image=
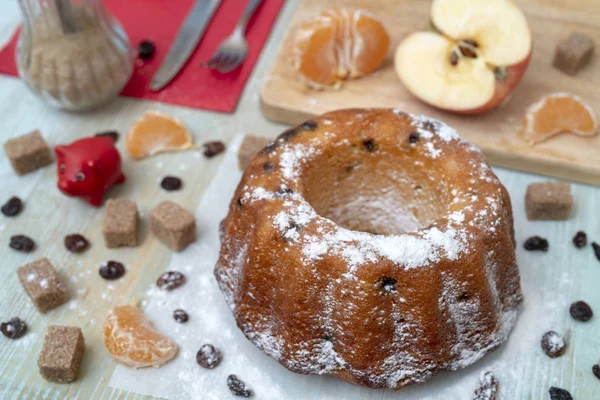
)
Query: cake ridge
[{"x": 389, "y": 305}]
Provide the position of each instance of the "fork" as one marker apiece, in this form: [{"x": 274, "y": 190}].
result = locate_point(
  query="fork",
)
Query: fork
[{"x": 233, "y": 50}]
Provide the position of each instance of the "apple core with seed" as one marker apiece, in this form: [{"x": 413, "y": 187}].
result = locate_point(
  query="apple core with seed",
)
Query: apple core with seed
[{"x": 473, "y": 59}]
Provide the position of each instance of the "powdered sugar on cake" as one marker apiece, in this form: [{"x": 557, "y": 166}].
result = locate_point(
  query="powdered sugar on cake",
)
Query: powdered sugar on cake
[{"x": 312, "y": 242}]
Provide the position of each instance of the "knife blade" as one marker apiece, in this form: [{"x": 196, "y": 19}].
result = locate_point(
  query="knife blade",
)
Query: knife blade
[{"x": 187, "y": 39}]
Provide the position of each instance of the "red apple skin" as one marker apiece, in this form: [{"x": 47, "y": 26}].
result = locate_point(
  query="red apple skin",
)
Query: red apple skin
[{"x": 514, "y": 74}]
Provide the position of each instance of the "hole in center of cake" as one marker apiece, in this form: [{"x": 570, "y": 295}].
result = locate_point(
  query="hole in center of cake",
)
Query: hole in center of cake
[{"x": 379, "y": 192}]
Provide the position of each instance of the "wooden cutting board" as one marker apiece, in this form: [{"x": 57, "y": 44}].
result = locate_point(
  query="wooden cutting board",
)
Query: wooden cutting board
[{"x": 285, "y": 99}]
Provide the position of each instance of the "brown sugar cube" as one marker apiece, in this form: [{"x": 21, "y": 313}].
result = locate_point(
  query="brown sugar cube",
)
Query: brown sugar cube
[
  {"x": 28, "y": 152},
  {"x": 548, "y": 201},
  {"x": 173, "y": 225},
  {"x": 248, "y": 149},
  {"x": 61, "y": 354},
  {"x": 42, "y": 283},
  {"x": 120, "y": 223},
  {"x": 574, "y": 53}
]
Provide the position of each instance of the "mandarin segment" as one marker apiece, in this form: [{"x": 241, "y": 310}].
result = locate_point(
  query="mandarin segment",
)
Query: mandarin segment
[
  {"x": 155, "y": 133},
  {"x": 558, "y": 113},
  {"x": 338, "y": 44},
  {"x": 131, "y": 339}
]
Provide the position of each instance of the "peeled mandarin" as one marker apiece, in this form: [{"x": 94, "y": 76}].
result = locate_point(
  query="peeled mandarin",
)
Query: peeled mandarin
[
  {"x": 131, "y": 339},
  {"x": 338, "y": 44},
  {"x": 558, "y": 113},
  {"x": 155, "y": 133}
]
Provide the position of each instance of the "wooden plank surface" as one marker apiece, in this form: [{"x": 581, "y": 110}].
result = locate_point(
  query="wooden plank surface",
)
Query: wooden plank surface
[
  {"x": 48, "y": 216},
  {"x": 285, "y": 99}
]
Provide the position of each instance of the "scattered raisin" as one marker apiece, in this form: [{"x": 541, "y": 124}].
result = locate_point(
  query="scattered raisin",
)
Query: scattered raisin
[
  {"x": 388, "y": 284},
  {"x": 369, "y": 144},
  {"x": 170, "y": 183},
  {"x": 12, "y": 207},
  {"x": 239, "y": 203},
  {"x": 208, "y": 356},
  {"x": 146, "y": 50},
  {"x": 596, "y": 370},
  {"x": 15, "y": 328},
  {"x": 553, "y": 344},
  {"x": 112, "y": 270},
  {"x": 454, "y": 58},
  {"x": 170, "y": 280},
  {"x": 559, "y": 394},
  {"x": 488, "y": 387},
  {"x": 580, "y": 239},
  {"x": 596, "y": 248},
  {"x": 581, "y": 311},
  {"x": 114, "y": 135},
  {"x": 536, "y": 243},
  {"x": 238, "y": 387},
  {"x": 180, "y": 316},
  {"x": 76, "y": 243},
  {"x": 22, "y": 243},
  {"x": 268, "y": 166},
  {"x": 214, "y": 148}
]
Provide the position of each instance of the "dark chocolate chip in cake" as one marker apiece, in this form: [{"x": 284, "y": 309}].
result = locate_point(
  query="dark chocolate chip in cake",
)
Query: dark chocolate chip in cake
[
  {"x": 12, "y": 207},
  {"x": 309, "y": 125},
  {"x": 388, "y": 284},
  {"x": 287, "y": 134},
  {"x": 463, "y": 296},
  {"x": 208, "y": 356},
  {"x": 413, "y": 137},
  {"x": 22, "y": 243},
  {"x": 268, "y": 166},
  {"x": 536, "y": 243},
  {"x": 553, "y": 344},
  {"x": 239, "y": 203},
  {"x": 170, "y": 280},
  {"x": 581, "y": 311},
  {"x": 559, "y": 394},
  {"x": 370, "y": 145},
  {"x": 238, "y": 387},
  {"x": 76, "y": 243},
  {"x": 14, "y": 328}
]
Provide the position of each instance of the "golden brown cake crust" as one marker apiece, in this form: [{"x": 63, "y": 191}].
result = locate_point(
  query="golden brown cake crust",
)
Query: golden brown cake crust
[{"x": 371, "y": 245}]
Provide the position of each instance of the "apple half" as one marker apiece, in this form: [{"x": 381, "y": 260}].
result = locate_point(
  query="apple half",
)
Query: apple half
[{"x": 472, "y": 60}]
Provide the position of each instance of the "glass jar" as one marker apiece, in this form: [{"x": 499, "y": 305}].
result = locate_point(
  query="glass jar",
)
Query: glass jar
[{"x": 72, "y": 53}]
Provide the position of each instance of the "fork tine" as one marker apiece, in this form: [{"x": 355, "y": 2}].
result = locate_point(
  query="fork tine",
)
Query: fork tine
[{"x": 233, "y": 63}]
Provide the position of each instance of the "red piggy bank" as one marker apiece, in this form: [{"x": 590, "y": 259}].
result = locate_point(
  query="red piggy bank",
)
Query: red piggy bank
[{"x": 88, "y": 167}]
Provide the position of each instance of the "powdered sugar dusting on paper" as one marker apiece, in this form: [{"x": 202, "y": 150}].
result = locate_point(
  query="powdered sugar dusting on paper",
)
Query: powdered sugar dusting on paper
[{"x": 210, "y": 321}]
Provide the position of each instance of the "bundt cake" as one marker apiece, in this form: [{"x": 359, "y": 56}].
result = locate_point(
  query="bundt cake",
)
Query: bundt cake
[{"x": 371, "y": 245}]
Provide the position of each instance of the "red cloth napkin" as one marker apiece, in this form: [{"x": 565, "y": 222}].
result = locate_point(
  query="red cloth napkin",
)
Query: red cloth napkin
[{"x": 159, "y": 21}]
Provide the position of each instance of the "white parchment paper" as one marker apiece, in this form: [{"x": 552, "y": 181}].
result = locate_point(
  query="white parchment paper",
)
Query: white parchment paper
[{"x": 211, "y": 322}]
